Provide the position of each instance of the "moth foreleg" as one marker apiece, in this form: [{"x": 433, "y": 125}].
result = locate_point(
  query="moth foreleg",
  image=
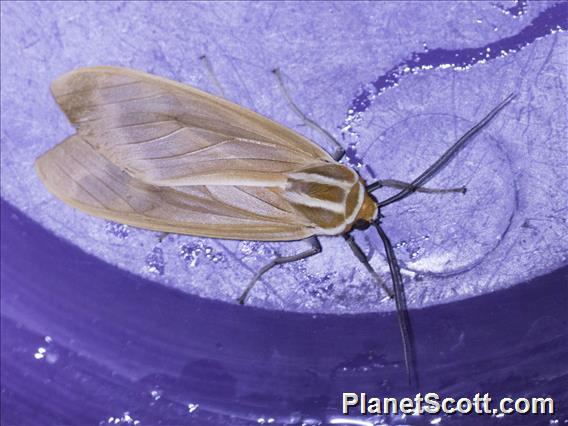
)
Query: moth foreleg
[
  {"x": 339, "y": 151},
  {"x": 363, "y": 259},
  {"x": 315, "y": 249},
  {"x": 393, "y": 183}
]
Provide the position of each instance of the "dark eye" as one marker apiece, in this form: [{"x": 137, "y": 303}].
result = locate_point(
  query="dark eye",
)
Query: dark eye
[{"x": 361, "y": 224}]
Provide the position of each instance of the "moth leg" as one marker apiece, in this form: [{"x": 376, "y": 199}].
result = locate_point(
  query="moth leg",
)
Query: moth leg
[
  {"x": 315, "y": 249},
  {"x": 339, "y": 151},
  {"x": 211, "y": 72},
  {"x": 363, "y": 259},
  {"x": 393, "y": 183}
]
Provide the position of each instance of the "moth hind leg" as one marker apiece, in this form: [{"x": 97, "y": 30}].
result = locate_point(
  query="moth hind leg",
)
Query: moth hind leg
[
  {"x": 280, "y": 260},
  {"x": 339, "y": 150},
  {"x": 363, "y": 259}
]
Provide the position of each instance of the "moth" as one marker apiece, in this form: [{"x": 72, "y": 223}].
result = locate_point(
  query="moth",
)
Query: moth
[{"x": 160, "y": 155}]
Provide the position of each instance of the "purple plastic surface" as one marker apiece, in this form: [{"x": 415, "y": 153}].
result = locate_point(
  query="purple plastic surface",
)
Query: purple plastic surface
[{"x": 85, "y": 341}]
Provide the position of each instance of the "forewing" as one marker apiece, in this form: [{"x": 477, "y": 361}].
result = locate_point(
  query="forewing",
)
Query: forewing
[
  {"x": 169, "y": 134},
  {"x": 80, "y": 175}
]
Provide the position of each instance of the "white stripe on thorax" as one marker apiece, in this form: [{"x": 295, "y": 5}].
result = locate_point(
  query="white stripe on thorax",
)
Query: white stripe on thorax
[
  {"x": 316, "y": 178},
  {"x": 306, "y": 200},
  {"x": 359, "y": 204}
]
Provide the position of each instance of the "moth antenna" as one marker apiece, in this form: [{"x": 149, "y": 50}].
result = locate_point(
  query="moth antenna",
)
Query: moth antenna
[
  {"x": 447, "y": 156},
  {"x": 401, "y": 308},
  {"x": 339, "y": 151},
  {"x": 212, "y": 75}
]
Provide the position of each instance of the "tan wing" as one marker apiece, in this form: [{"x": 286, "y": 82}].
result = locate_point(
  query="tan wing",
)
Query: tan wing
[
  {"x": 77, "y": 173},
  {"x": 169, "y": 134}
]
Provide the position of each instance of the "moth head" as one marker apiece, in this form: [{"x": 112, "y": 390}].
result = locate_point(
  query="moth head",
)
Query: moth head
[{"x": 361, "y": 224}]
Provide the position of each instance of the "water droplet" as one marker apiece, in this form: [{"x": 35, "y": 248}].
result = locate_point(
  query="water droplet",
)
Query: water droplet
[
  {"x": 156, "y": 394},
  {"x": 49, "y": 354},
  {"x": 318, "y": 286},
  {"x": 255, "y": 248},
  {"x": 40, "y": 353},
  {"x": 295, "y": 417},
  {"x": 311, "y": 422},
  {"x": 191, "y": 253},
  {"x": 51, "y": 357},
  {"x": 124, "y": 419},
  {"x": 117, "y": 230},
  {"x": 155, "y": 262},
  {"x": 192, "y": 407}
]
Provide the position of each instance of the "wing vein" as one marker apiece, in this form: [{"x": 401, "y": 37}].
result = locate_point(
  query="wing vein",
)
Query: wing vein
[
  {"x": 224, "y": 169},
  {"x": 82, "y": 165},
  {"x": 129, "y": 126},
  {"x": 246, "y": 213},
  {"x": 90, "y": 89},
  {"x": 180, "y": 129},
  {"x": 123, "y": 101},
  {"x": 93, "y": 196},
  {"x": 265, "y": 141},
  {"x": 190, "y": 153},
  {"x": 262, "y": 200}
]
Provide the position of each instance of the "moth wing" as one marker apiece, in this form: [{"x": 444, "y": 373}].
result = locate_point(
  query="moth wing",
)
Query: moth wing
[
  {"x": 170, "y": 134},
  {"x": 80, "y": 175}
]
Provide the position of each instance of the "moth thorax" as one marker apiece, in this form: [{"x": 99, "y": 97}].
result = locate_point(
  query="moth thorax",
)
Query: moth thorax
[{"x": 368, "y": 211}]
